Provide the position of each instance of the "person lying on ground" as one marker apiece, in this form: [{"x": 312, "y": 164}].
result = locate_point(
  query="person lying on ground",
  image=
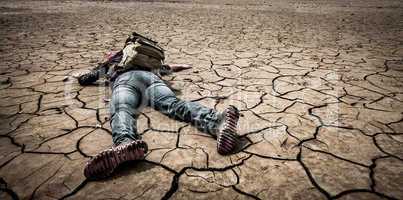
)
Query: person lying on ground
[{"x": 135, "y": 78}]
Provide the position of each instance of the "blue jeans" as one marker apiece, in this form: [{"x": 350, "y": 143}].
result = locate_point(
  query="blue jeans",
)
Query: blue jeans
[{"x": 133, "y": 90}]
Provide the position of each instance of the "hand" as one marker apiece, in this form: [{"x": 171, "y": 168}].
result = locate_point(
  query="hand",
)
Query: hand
[{"x": 179, "y": 67}]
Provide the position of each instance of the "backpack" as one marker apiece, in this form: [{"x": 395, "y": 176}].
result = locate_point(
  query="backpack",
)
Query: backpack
[{"x": 140, "y": 52}]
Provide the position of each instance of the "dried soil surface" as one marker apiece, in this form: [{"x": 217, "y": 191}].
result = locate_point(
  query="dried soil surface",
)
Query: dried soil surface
[{"x": 319, "y": 84}]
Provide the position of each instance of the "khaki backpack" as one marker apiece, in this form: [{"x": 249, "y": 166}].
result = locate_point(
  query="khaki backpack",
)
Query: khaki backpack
[{"x": 141, "y": 53}]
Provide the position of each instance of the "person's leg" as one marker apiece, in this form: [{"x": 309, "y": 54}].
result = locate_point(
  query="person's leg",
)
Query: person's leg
[
  {"x": 162, "y": 98},
  {"x": 127, "y": 143},
  {"x": 223, "y": 125},
  {"x": 123, "y": 109}
]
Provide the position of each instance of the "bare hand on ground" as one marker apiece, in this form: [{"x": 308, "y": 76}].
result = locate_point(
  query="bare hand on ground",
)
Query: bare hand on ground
[{"x": 179, "y": 67}]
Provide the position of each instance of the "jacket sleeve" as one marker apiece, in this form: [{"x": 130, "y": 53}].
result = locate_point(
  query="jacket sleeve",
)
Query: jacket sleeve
[
  {"x": 165, "y": 70},
  {"x": 102, "y": 70}
]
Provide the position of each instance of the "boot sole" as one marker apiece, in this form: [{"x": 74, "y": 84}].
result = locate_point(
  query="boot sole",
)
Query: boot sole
[
  {"x": 103, "y": 164},
  {"x": 227, "y": 138}
]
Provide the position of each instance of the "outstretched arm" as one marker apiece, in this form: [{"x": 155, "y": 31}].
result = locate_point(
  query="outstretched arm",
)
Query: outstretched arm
[
  {"x": 100, "y": 70},
  {"x": 179, "y": 67},
  {"x": 169, "y": 69}
]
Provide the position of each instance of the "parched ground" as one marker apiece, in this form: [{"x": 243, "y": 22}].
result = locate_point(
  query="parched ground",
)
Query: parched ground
[{"x": 319, "y": 84}]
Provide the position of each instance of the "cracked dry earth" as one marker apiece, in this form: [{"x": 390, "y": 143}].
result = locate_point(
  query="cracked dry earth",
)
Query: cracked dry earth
[{"x": 319, "y": 85}]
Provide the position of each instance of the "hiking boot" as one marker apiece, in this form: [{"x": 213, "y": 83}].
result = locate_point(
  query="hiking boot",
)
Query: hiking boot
[
  {"x": 227, "y": 137},
  {"x": 103, "y": 164}
]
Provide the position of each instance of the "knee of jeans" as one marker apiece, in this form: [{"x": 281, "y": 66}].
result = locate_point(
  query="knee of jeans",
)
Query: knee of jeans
[{"x": 125, "y": 109}]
